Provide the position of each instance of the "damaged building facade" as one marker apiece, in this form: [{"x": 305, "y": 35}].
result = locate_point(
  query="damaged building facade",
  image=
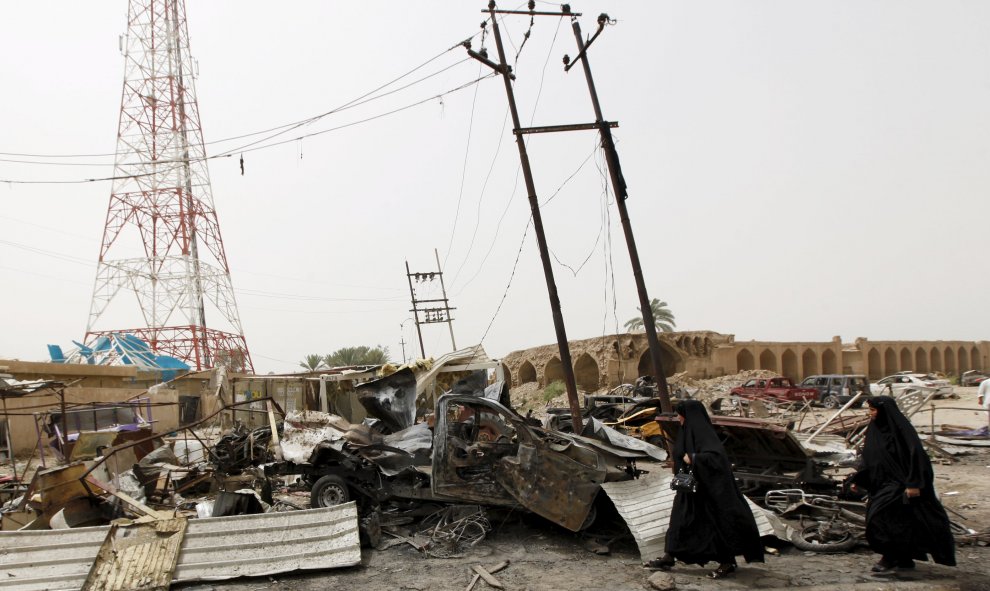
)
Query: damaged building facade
[{"x": 615, "y": 359}]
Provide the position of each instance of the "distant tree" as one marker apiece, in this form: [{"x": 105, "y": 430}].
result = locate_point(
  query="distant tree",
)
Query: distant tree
[
  {"x": 360, "y": 355},
  {"x": 663, "y": 317},
  {"x": 312, "y": 362}
]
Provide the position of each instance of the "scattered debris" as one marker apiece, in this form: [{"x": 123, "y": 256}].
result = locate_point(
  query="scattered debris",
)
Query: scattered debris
[{"x": 487, "y": 574}]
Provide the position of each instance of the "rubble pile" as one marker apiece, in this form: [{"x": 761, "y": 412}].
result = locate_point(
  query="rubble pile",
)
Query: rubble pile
[{"x": 435, "y": 475}]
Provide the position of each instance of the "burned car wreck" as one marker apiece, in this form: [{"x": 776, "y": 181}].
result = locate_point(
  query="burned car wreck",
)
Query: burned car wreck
[
  {"x": 478, "y": 450},
  {"x": 765, "y": 454}
]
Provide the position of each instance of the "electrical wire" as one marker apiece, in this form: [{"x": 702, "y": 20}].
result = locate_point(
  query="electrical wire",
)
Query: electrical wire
[
  {"x": 355, "y": 103},
  {"x": 307, "y": 298},
  {"x": 261, "y": 147},
  {"x": 515, "y": 184},
  {"x": 509, "y": 283},
  {"x": 481, "y": 197},
  {"x": 460, "y": 194},
  {"x": 285, "y": 128},
  {"x": 239, "y": 291},
  {"x": 346, "y": 105}
]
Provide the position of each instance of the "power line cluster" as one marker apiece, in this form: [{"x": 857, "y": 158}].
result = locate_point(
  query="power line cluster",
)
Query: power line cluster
[{"x": 272, "y": 133}]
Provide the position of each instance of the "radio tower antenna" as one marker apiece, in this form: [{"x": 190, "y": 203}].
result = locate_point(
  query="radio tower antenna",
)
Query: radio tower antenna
[{"x": 161, "y": 242}]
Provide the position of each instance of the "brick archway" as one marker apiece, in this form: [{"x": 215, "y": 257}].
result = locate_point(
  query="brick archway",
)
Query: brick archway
[
  {"x": 586, "y": 373},
  {"x": 744, "y": 360}
]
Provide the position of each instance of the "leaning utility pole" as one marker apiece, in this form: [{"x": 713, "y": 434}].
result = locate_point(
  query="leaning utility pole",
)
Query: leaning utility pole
[
  {"x": 558, "y": 320},
  {"x": 619, "y": 188},
  {"x": 431, "y": 315}
]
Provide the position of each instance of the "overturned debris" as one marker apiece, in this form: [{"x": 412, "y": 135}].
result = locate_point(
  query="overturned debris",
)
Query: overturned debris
[{"x": 213, "y": 549}]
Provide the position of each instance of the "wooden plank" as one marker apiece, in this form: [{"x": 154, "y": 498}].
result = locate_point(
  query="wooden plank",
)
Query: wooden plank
[
  {"x": 487, "y": 576},
  {"x": 477, "y": 577},
  {"x": 129, "y": 500}
]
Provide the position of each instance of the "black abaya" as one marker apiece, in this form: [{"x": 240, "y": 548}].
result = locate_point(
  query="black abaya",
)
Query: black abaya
[
  {"x": 897, "y": 527},
  {"x": 715, "y": 523}
]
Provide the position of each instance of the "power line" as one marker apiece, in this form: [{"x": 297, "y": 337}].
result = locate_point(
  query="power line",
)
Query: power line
[
  {"x": 350, "y": 104},
  {"x": 460, "y": 194},
  {"x": 261, "y": 147},
  {"x": 509, "y": 283},
  {"x": 498, "y": 227}
]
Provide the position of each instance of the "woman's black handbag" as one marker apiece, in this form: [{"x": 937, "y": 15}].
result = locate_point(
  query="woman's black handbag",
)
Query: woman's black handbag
[{"x": 684, "y": 481}]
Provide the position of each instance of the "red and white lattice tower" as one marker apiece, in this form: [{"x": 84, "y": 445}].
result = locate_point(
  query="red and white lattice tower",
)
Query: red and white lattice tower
[{"x": 161, "y": 242}]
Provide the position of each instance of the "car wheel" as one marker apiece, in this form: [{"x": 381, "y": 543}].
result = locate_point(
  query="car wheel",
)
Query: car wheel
[
  {"x": 590, "y": 519},
  {"x": 329, "y": 491},
  {"x": 830, "y": 401}
]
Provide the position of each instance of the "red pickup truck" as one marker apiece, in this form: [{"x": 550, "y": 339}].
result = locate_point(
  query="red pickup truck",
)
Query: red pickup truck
[{"x": 778, "y": 389}]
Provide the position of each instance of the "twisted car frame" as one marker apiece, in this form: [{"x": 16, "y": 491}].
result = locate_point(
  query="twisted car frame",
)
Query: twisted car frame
[{"x": 482, "y": 452}]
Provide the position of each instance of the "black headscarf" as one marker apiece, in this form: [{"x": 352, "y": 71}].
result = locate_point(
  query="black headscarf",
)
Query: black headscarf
[
  {"x": 893, "y": 449},
  {"x": 697, "y": 434}
]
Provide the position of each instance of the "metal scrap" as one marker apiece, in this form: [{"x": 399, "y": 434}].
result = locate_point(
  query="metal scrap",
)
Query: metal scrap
[{"x": 453, "y": 529}]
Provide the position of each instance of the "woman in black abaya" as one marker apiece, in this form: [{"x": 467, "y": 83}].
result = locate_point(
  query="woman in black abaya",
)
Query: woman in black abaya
[
  {"x": 904, "y": 520},
  {"x": 715, "y": 522}
]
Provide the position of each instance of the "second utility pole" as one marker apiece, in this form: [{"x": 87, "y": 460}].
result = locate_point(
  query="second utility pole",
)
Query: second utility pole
[
  {"x": 619, "y": 189},
  {"x": 541, "y": 240}
]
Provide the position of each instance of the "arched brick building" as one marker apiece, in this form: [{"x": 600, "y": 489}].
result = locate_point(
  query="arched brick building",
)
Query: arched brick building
[{"x": 614, "y": 359}]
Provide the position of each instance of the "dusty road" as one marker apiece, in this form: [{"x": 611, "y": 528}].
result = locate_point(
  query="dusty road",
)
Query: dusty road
[{"x": 546, "y": 558}]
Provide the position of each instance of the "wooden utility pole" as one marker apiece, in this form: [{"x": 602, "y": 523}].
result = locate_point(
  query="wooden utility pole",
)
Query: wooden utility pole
[
  {"x": 534, "y": 205},
  {"x": 433, "y": 313},
  {"x": 619, "y": 188}
]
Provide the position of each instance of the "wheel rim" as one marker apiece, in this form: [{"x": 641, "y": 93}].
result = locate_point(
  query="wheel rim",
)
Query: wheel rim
[
  {"x": 830, "y": 402},
  {"x": 331, "y": 495}
]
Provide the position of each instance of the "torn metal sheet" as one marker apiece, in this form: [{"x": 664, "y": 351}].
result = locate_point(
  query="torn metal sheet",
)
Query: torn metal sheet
[
  {"x": 645, "y": 505},
  {"x": 304, "y": 430},
  {"x": 391, "y": 399},
  {"x": 212, "y": 549},
  {"x": 139, "y": 557},
  {"x": 599, "y": 430}
]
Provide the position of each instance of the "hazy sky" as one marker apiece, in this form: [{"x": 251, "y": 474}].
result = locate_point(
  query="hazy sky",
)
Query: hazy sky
[{"x": 796, "y": 170}]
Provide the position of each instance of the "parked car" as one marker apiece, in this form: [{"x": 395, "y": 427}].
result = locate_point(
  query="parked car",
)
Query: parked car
[
  {"x": 973, "y": 377},
  {"x": 925, "y": 383},
  {"x": 777, "y": 389},
  {"x": 834, "y": 390}
]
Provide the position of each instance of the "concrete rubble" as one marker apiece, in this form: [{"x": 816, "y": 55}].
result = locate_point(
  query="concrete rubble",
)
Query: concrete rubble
[{"x": 425, "y": 470}]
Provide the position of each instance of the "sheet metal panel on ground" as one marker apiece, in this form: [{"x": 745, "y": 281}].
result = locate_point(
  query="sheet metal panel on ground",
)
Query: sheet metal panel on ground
[
  {"x": 213, "y": 549},
  {"x": 645, "y": 505}
]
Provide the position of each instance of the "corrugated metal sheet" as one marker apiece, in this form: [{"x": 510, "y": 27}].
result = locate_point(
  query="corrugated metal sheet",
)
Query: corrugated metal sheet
[
  {"x": 213, "y": 549},
  {"x": 645, "y": 505},
  {"x": 140, "y": 557}
]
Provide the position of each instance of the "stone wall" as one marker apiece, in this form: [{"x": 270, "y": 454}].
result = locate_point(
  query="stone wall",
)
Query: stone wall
[{"x": 608, "y": 361}]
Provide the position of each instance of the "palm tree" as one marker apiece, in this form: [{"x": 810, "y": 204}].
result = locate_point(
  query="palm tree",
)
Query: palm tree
[
  {"x": 662, "y": 316},
  {"x": 312, "y": 362},
  {"x": 361, "y": 355}
]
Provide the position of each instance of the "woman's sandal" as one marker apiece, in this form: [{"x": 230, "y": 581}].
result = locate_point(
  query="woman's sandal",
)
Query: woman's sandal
[
  {"x": 665, "y": 562},
  {"x": 723, "y": 570}
]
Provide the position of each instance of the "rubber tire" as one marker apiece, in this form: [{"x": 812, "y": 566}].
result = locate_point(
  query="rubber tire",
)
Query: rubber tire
[
  {"x": 801, "y": 542},
  {"x": 830, "y": 402},
  {"x": 329, "y": 491},
  {"x": 590, "y": 519}
]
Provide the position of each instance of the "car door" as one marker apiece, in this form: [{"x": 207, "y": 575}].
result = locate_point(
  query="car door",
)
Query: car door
[
  {"x": 469, "y": 438},
  {"x": 484, "y": 453}
]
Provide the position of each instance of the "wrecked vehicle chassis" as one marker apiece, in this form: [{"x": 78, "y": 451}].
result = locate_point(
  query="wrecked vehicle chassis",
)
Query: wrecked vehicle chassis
[
  {"x": 764, "y": 454},
  {"x": 483, "y": 453}
]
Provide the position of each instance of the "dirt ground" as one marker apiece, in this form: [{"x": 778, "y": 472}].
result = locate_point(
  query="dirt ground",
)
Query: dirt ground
[{"x": 543, "y": 557}]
